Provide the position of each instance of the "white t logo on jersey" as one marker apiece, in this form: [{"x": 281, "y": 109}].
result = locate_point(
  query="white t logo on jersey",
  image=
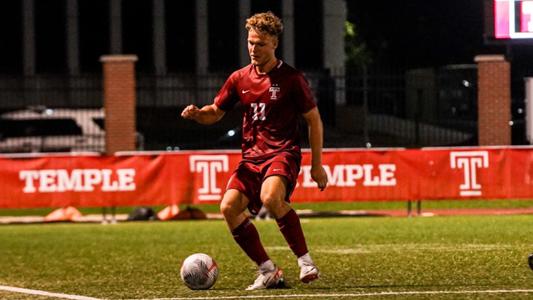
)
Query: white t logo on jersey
[
  {"x": 274, "y": 90},
  {"x": 470, "y": 162}
]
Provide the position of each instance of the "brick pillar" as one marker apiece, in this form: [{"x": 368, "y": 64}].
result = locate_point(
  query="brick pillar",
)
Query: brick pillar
[
  {"x": 494, "y": 100},
  {"x": 119, "y": 102}
]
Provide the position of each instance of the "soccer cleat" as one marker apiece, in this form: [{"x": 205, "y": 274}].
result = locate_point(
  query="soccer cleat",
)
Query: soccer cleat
[
  {"x": 308, "y": 272},
  {"x": 268, "y": 280}
]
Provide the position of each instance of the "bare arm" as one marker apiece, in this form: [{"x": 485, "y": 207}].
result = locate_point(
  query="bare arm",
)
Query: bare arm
[
  {"x": 206, "y": 115},
  {"x": 316, "y": 132}
]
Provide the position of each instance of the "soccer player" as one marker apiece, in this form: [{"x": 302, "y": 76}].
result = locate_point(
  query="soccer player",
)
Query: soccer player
[{"x": 273, "y": 95}]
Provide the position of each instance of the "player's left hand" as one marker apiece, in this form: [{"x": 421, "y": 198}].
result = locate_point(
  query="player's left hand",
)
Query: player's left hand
[{"x": 319, "y": 176}]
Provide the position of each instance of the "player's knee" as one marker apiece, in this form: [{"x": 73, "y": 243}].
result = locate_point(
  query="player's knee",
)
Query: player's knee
[
  {"x": 225, "y": 208},
  {"x": 268, "y": 199},
  {"x": 232, "y": 203},
  {"x": 273, "y": 203}
]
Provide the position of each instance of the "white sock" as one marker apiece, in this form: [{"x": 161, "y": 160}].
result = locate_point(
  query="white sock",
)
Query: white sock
[
  {"x": 305, "y": 260},
  {"x": 267, "y": 266}
]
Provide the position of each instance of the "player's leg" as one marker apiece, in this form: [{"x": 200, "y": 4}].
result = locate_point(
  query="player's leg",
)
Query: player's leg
[
  {"x": 274, "y": 196},
  {"x": 233, "y": 208}
]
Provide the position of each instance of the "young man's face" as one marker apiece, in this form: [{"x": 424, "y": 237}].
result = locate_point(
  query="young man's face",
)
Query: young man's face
[{"x": 261, "y": 47}]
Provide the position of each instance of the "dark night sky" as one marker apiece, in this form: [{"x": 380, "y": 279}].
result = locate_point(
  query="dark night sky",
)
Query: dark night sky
[
  {"x": 400, "y": 34},
  {"x": 421, "y": 33}
]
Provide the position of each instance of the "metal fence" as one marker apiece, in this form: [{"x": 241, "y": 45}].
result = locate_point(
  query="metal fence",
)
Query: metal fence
[
  {"x": 427, "y": 107},
  {"x": 416, "y": 108},
  {"x": 51, "y": 114}
]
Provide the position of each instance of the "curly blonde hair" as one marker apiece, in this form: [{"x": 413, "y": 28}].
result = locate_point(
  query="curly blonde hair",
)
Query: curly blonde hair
[{"x": 266, "y": 22}]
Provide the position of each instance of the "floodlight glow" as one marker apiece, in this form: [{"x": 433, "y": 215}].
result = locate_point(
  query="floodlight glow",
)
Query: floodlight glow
[{"x": 231, "y": 132}]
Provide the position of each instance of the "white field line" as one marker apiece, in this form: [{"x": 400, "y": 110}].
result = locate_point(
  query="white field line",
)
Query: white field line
[
  {"x": 44, "y": 293},
  {"x": 354, "y": 295},
  {"x": 358, "y": 249},
  {"x": 323, "y": 295}
]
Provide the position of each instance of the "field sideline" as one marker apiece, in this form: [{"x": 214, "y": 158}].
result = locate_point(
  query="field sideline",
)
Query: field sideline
[
  {"x": 397, "y": 206},
  {"x": 462, "y": 257}
]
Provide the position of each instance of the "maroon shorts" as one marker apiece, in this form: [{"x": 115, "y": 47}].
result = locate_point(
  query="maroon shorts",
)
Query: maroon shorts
[{"x": 250, "y": 174}]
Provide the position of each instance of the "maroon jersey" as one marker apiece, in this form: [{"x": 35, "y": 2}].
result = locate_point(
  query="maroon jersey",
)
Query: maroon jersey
[{"x": 272, "y": 104}]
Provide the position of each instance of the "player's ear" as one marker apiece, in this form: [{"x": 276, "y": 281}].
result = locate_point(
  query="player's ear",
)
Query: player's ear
[{"x": 275, "y": 41}]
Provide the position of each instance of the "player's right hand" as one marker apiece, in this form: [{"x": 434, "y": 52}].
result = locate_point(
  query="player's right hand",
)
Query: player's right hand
[{"x": 190, "y": 112}]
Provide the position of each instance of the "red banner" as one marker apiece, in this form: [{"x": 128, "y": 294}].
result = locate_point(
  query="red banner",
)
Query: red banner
[{"x": 146, "y": 178}]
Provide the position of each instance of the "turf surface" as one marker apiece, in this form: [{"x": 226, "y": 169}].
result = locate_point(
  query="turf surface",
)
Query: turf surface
[
  {"x": 355, "y": 255},
  {"x": 318, "y": 206}
]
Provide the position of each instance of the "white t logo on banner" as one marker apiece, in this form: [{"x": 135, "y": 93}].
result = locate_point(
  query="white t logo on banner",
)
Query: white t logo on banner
[
  {"x": 209, "y": 166},
  {"x": 470, "y": 162}
]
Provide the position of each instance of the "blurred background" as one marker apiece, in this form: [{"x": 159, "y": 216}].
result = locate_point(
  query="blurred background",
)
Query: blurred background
[{"x": 384, "y": 73}]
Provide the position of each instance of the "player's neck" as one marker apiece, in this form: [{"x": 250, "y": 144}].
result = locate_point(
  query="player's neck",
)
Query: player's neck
[{"x": 267, "y": 67}]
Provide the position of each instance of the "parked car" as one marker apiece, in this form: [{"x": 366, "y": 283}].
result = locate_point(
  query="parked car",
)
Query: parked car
[{"x": 41, "y": 129}]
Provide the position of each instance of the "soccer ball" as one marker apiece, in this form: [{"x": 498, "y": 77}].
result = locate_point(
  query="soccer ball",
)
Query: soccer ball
[{"x": 199, "y": 271}]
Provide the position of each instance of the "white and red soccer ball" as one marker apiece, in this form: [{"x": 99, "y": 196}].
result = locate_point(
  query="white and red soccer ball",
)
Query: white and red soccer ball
[{"x": 199, "y": 271}]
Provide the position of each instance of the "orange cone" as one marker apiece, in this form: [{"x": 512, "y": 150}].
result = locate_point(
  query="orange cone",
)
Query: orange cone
[
  {"x": 168, "y": 213},
  {"x": 63, "y": 214}
]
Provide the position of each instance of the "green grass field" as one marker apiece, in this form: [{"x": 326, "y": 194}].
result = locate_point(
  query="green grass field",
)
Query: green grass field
[
  {"x": 365, "y": 258},
  {"x": 319, "y": 206}
]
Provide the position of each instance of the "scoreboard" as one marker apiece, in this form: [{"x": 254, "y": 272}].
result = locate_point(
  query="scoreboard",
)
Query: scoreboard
[{"x": 509, "y": 19}]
